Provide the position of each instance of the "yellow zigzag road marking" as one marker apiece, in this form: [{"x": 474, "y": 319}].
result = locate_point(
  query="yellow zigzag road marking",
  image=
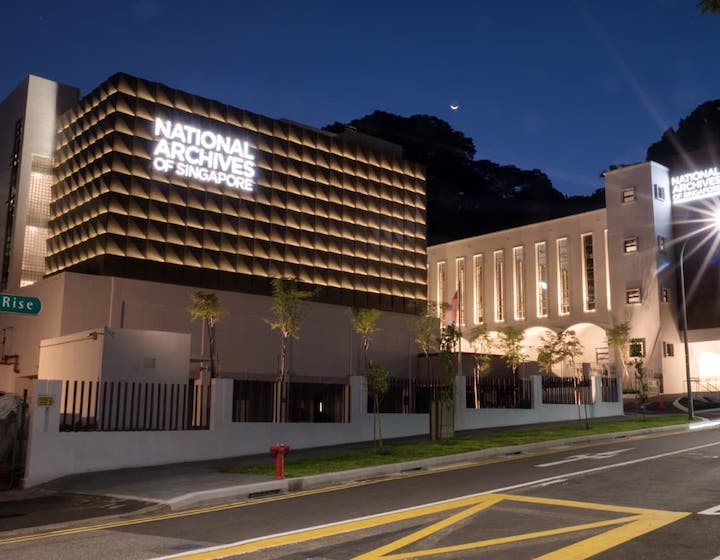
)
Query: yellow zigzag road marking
[
  {"x": 638, "y": 522},
  {"x": 245, "y": 503}
]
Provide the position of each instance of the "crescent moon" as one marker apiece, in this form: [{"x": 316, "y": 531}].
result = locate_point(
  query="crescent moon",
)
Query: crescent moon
[{"x": 454, "y": 107}]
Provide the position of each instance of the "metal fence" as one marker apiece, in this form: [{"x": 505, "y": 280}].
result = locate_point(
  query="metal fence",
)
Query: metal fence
[
  {"x": 308, "y": 402},
  {"x": 609, "y": 389},
  {"x": 408, "y": 396},
  {"x": 499, "y": 392},
  {"x": 132, "y": 406},
  {"x": 566, "y": 390}
]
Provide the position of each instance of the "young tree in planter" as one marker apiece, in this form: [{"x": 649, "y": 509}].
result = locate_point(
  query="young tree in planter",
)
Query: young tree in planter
[
  {"x": 206, "y": 306},
  {"x": 364, "y": 322},
  {"x": 376, "y": 381},
  {"x": 287, "y": 310},
  {"x": 569, "y": 349},
  {"x": 442, "y": 415},
  {"x": 479, "y": 338},
  {"x": 642, "y": 389},
  {"x": 449, "y": 341},
  {"x": 618, "y": 337},
  {"x": 548, "y": 354},
  {"x": 510, "y": 344},
  {"x": 426, "y": 327}
]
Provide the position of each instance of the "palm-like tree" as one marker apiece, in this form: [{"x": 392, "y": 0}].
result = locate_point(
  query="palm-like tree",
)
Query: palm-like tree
[{"x": 206, "y": 306}]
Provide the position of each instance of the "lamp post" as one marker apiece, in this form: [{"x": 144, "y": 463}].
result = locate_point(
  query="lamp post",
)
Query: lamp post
[{"x": 690, "y": 407}]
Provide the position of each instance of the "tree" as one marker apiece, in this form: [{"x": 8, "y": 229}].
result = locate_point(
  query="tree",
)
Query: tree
[
  {"x": 449, "y": 340},
  {"x": 510, "y": 344},
  {"x": 206, "y": 306},
  {"x": 709, "y": 6},
  {"x": 442, "y": 411},
  {"x": 642, "y": 389},
  {"x": 618, "y": 337},
  {"x": 466, "y": 197},
  {"x": 548, "y": 352},
  {"x": 364, "y": 322},
  {"x": 287, "y": 311},
  {"x": 376, "y": 380},
  {"x": 698, "y": 131},
  {"x": 426, "y": 327},
  {"x": 569, "y": 348},
  {"x": 481, "y": 343}
]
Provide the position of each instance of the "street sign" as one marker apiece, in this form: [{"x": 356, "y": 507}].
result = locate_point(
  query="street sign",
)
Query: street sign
[{"x": 27, "y": 305}]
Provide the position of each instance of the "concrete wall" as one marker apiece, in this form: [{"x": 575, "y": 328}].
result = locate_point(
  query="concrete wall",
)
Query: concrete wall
[
  {"x": 471, "y": 419},
  {"x": 52, "y": 454},
  {"x": 327, "y": 346}
]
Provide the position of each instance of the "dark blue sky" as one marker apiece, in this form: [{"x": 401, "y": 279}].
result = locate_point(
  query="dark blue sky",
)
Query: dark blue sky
[{"x": 569, "y": 87}]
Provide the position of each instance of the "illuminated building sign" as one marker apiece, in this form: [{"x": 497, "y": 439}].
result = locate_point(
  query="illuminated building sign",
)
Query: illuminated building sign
[
  {"x": 205, "y": 155},
  {"x": 695, "y": 185}
]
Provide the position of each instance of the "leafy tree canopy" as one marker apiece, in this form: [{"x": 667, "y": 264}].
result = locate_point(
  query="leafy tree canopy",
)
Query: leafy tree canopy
[
  {"x": 699, "y": 130},
  {"x": 466, "y": 196},
  {"x": 709, "y": 6}
]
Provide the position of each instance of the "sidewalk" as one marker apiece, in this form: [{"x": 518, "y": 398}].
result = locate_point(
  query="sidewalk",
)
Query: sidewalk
[{"x": 186, "y": 485}]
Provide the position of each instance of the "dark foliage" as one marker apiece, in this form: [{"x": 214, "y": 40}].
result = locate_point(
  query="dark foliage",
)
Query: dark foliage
[
  {"x": 467, "y": 197},
  {"x": 698, "y": 131}
]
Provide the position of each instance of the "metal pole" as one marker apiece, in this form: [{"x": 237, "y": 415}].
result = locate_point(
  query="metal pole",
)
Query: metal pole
[{"x": 690, "y": 407}]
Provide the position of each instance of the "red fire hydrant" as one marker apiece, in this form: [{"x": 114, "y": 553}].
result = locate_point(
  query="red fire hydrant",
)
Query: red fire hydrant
[{"x": 279, "y": 450}]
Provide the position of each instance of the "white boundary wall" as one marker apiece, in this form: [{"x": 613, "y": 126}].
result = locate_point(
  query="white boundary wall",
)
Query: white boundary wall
[{"x": 53, "y": 454}]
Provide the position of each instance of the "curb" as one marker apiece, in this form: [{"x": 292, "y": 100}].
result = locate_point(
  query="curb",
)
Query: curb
[{"x": 245, "y": 491}]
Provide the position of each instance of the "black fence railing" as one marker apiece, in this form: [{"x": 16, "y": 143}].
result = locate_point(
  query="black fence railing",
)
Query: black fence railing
[
  {"x": 609, "y": 389},
  {"x": 308, "y": 402},
  {"x": 252, "y": 401},
  {"x": 113, "y": 406},
  {"x": 566, "y": 390},
  {"x": 407, "y": 396},
  {"x": 498, "y": 392}
]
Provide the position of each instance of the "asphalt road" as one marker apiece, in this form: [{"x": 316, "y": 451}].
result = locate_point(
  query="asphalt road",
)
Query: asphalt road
[{"x": 632, "y": 498}]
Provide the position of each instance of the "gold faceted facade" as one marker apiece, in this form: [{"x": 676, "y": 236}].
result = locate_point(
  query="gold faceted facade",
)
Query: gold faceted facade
[{"x": 343, "y": 214}]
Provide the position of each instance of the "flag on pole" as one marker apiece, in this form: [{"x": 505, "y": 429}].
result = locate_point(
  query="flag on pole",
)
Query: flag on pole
[{"x": 451, "y": 315}]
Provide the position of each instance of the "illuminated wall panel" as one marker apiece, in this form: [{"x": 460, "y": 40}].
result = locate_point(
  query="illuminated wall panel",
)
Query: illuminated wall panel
[{"x": 343, "y": 213}]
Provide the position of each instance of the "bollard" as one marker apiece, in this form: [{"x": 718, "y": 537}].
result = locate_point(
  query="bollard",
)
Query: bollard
[{"x": 279, "y": 450}]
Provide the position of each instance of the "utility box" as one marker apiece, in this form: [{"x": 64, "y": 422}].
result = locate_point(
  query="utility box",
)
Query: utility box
[{"x": 105, "y": 354}]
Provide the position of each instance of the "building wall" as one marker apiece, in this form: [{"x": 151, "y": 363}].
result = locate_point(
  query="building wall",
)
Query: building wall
[
  {"x": 27, "y": 141},
  {"x": 571, "y": 228},
  {"x": 327, "y": 346},
  {"x": 344, "y": 215},
  {"x": 640, "y": 210}
]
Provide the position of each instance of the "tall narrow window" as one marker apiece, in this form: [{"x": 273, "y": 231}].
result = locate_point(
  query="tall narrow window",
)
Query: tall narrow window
[
  {"x": 518, "y": 282},
  {"x": 478, "y": 312},
  {"x": 588, "y": 273},
  {"x": 441, "y": 286},
  {"x": 608, "y": 298},
  {"x": 499, "y": 285},
  {"x": 563, "y": 276},
  {"x": 541, "y": 279},
  {"x": 460, "y": 278}
]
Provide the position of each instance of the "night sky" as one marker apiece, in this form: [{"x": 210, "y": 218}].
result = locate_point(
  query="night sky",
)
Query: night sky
[{"x": 569, "y": 87}]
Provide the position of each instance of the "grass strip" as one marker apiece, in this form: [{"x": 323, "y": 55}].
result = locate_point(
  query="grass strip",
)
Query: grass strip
[{"x": 397, "y": 453}]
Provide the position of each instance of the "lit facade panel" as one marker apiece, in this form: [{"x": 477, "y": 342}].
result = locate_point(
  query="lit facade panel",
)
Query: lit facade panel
[{"x": 218, "y": 197}]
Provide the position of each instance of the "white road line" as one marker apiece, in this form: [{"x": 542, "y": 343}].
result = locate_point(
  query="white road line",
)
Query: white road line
[
  {"x": 710, "y": 511},
  {"x": 583, "y": 456},
  {"x": 502, "y": 490}
]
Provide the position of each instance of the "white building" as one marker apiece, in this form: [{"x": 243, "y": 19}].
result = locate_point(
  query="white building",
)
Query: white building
[{"x": 591, "y": 271}]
